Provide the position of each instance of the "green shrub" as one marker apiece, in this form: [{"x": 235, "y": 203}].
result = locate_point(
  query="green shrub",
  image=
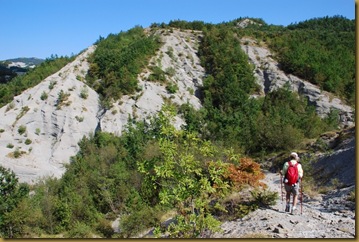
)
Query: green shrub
[
  {"x": 10, "y": 106},
  {"x": 62, "y": 97},
  {"x": 10, "y": 146},
  {"x": 351, "y": 196},
  {"x": 157, "y": 75},
  {"x": 21, "y": 130},
  {"x": 24, "y": 110},
  {"x": 28, "y": 141},
  {"x": 52, "y": 84},
  {"x": 84, "y": 92},
  {"x": 170, "y": 71},
  {"x": 172, "y": 88},
  {"x": 43, "y": 96},
  {"x": 105, "y": 228},
  {"x": 79, "y": 119},
  {"x": 138, "y": 221},
  {"x": 80, "y": 230},
  {"x": 17, "y": 153},
  {"x": 264, "y": 198}
]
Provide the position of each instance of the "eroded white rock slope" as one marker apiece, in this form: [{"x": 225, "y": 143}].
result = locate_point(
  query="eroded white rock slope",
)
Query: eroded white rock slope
[{"x": 54, "y": 132}]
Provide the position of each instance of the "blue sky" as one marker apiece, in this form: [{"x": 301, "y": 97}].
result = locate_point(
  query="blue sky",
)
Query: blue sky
[{"x": 40, "y": 28}]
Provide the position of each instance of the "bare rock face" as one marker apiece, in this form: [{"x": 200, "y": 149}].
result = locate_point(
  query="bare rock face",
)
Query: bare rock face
[
  {"x": 42, "y": 126},
  {"x": 62, "y": 109},
  {"x": 339, "y": 164},
  {"x": 179, "y": 54},
  {"x": 270, "y": 77}
]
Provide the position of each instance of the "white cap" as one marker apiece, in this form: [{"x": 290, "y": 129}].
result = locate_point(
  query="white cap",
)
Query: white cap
[{"x": 294, "y": 155}]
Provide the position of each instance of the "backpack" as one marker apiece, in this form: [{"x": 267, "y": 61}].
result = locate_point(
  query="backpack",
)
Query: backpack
[{"x": 292, "y": 174}]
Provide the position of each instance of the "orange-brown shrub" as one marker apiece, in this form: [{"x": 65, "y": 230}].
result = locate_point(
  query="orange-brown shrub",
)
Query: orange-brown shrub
[{"x": 247, "y": 172}]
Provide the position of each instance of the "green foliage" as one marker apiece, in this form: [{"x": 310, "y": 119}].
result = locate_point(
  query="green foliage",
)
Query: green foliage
[
  {"x": 264, "y": 198},
  {"x": 62, "y": 98},
  {"x": 322, "y": 51},
  {"x": 28, "y": 141},
  {"x": 52, "y": 85},
  {"x": 336, "y": 24},
  {"x": 138, "y": 221},
  {"x": 351, "y": 196},
  {"x": 228, "y": 85},
  {"x": 184, "y": 180},
  {"x": 157, "y": 75},
  {"x": 84, "y": 92},
  {"x": 286, "y": 119},
  {"x": 44, "y": 96},
  {"x": 170, "y": 71},
  {"x": 172, "y": 88},
  {"x": 80, "y": 230},
  {"x": 11, "y": 195},
  {"x": 22, "y": 129},
  {"x": 79, "y": 118},
  {"x": 23, "y": 111},
  {"x": 118, "y": 60}
]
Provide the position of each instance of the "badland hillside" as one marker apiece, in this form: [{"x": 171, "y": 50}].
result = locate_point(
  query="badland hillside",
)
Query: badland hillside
[{"x": 173, "y": 121}]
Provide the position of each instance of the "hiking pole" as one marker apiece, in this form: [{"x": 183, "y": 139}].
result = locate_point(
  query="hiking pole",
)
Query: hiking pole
[
  {"x": 301, "y": 196},
  {"x": 281, "y": 187}
]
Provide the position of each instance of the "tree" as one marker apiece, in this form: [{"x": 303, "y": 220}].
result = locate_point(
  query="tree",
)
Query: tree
[
  {"x": 11, "y": 194},
  {"x": 188, "y": 178}
]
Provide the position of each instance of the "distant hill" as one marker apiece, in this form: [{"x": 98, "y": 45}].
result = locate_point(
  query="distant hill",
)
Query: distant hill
[
  {"x": 28, "y": 61},
  {"x": 18, "y": 66}
]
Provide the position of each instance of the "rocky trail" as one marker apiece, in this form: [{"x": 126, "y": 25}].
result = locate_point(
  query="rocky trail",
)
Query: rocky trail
[{"x": 323, "y": 216}]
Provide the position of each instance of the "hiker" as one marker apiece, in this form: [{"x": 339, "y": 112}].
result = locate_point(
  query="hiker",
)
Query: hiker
[{"x": 293, "y": 172}]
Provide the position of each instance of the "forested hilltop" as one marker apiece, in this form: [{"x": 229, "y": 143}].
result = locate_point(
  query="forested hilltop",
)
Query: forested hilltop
[{"x": 173, "y": 124}]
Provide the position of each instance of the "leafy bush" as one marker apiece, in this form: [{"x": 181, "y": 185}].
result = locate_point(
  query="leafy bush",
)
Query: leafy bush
[
  {"x": 28, "y": 141},
  {"x": 21, "y": 130},
  {"x": 84, "y": 92},
  {"x": 264, "y": 198},
  {"x": 80, "y": 230},
  {"x": 44, "y": 95},
  {"x": 62, "y": 97},
  {"x": 138, "y": 221},
  {"x": 172, "y": 88}
]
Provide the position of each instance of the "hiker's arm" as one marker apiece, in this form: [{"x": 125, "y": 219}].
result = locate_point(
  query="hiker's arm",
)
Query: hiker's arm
[
  {"x": 285, "y": 168},
  {"x": 300, "y": 170}
]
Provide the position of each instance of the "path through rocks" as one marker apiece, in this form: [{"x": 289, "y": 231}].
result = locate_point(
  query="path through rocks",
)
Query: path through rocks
[{"x": 325, "y": 216}]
